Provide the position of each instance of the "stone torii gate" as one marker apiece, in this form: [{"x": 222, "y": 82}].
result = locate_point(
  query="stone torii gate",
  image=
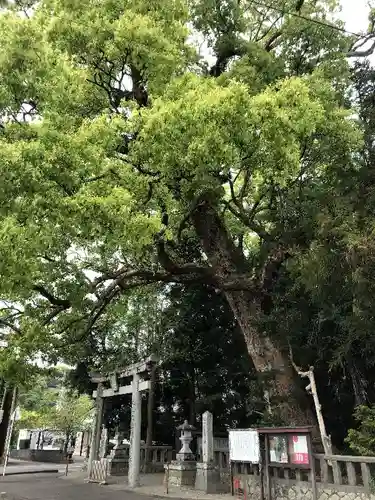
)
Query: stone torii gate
[{"x": 136, "y": 372}]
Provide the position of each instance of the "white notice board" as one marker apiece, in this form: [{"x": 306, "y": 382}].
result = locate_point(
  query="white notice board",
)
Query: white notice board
[{"x": 244, "y": 446}]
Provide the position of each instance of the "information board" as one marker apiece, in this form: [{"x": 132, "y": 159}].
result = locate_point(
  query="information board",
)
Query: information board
[{"x": 244, "y": 446}]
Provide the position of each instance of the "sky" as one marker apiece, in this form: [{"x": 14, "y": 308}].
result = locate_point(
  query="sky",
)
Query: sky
[{"x": 354, "y": 13}]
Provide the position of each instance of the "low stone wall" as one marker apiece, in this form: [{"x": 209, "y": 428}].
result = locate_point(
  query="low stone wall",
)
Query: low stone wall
[
  {"x": 249, "y": 486},
  {"x": 337, "y": 477},
  {"x": 49, "y": 456},
  {"x": 304, "y": 492},
  {"x": 225, "y": 480}
]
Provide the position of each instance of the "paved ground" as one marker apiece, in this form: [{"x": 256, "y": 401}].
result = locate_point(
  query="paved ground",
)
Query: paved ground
[
  {"x": 43, "y": 486},
  {"x": 53, "y": 487},
  {"x": 24, "y": 467}
]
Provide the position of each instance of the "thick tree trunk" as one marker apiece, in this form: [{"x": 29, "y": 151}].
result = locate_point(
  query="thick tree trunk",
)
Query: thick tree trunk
[{"x": 288, "y": 401}]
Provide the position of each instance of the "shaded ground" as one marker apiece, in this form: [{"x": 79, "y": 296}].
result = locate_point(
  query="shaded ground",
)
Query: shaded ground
[
  {"x": 58, "y": 487},
  {"x": 25, "y": 467},
  {"x": 54, "y": 487}
]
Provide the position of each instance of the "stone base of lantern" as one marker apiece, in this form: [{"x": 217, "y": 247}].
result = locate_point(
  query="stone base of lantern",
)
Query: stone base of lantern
[
  {"x": 180, "y": 474},
  {"x": 118, "y": 460},
  {"x": 118, "y": 467},
  {"x": 208, "y": 478}
]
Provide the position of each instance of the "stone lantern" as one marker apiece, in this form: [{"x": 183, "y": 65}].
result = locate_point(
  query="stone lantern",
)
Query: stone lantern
[
  {"x": 185, "y": 454},
  {"x": 182, "y": 472}
]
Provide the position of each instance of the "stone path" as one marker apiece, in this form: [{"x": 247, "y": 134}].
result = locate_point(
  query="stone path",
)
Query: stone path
[
  {"x": 52, "y": 487},
  {"x": 73, "y": 487},
  {"x": 152, "y": 485},
  {"x": 23, "y": 467}
]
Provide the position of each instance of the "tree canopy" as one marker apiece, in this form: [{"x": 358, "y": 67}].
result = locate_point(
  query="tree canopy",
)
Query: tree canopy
[{"x": 128, "y": 159}]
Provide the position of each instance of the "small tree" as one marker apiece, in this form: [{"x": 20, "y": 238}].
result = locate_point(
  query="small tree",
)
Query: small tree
[
  {"x": 30, "y": 419},
  {"x": 71, "y": 414},
  {"x": 362, "y": 440}
]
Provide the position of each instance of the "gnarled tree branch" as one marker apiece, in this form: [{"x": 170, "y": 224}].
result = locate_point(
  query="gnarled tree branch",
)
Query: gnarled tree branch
[
  {"x": 248, "y": 221},
  {"x": 362, "y": 53},
  {"x": 10, "y": 325},
  {"x": 56, "y": 301}
]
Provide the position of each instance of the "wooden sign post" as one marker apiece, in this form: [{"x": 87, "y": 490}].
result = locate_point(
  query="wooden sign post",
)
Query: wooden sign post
[{"x": 288, "y": 447}]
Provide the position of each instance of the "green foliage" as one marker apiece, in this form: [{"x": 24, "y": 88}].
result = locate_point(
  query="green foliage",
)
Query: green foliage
[
  {"x": 42, "y": 392},
  {"x": 116, "y": 137},
  {"x": 362, "y": 440},
  {"x": 30, "y": 420},
  {"x": 71, "y": 413},
  {"x": 194, "y": 131},
  {"x": 48, "y": 404}
]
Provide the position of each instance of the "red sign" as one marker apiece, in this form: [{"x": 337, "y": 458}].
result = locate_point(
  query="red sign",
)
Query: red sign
[
  {"x": 299, "y": 452},
  {"x": 300, "y": 458}
]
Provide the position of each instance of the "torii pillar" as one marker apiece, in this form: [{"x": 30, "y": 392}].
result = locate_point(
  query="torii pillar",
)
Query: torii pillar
[
  {"x": 135, "y": 434},
  {"x": 97, "y": 427}
]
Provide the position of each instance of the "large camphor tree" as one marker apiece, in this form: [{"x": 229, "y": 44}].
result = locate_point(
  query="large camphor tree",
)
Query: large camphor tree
[{"x": 137, "y": 133}]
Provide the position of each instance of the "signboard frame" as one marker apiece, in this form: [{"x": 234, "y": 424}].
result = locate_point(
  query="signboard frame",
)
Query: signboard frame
[{"x": 288, "y": 433}]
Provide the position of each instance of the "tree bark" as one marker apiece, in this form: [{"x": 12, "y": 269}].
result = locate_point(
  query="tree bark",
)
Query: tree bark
[{"x": 287, "y": 398}]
